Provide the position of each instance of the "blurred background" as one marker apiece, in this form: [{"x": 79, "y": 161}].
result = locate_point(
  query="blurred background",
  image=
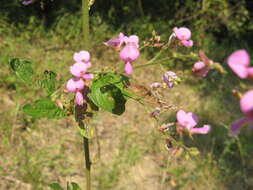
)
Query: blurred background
[{"x": 128, "y": 152}]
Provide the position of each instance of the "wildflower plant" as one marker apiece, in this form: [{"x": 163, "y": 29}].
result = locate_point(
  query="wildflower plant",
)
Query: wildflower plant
[{"x": 87, "y": 91}]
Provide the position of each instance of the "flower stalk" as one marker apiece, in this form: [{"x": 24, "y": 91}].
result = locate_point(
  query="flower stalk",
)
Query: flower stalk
[{"x": 85, "y": 13}]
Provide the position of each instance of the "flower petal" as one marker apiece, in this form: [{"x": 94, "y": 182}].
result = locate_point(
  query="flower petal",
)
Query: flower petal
[
  {"x": 187, "y": 43},
  {"x": 203, "y": 130},
  {"x": 128, "y": 68},
  {"x": 239, "y": 57},
  {"x": 79, "y": 100},
  {"x": 246, "y": 103},
  {"x": 236, "y": 126}
]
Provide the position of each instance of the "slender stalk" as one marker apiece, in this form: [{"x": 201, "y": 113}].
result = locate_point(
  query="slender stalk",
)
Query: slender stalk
[
  {"x": 86, "y": 28},
  {"x": 153, "y": 61},
  {"x": 87, "y": 162},
  {"x": 85, "y": 13}
]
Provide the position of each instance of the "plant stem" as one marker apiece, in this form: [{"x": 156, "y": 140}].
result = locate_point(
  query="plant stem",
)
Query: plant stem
[
  {"x": 85, "y": 13},
  {"x": 153, "y": 61},
  {"x": 87, "y": 162}
]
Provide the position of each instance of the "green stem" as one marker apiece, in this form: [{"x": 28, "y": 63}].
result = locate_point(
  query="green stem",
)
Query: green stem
[
  {"x": 85, "y": 12},
  {"x": 153, "y": 61},
  {"x": 87, "y": 162}
]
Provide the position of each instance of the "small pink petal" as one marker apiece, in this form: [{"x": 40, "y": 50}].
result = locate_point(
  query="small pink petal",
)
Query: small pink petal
[
  {"x": 239, "y": 57},
  {"x": 75, "y": 84},
  {"x": 200, "y": 69},
  {"x": 78, "y": 69},
  {"x": 128, "y": 68},
  {"x": 156, "y": 85},
  {"x": 236, "y": 126},
  {"x": 116, "y": 42},
  {"x": 27, "y": 2},
  {"x": 187, "y": 43},
  {"x": 246, "y": 103},
  {"x": 182, "y": 33},
  {"x": 79, "y": 100},
  {"x": 192, "y": 120},
  {"x": 129, "y": 53},
  {"x": 203, "y": 130},
  {"x": 82, "y": 56},
  {"x": 240, "y": 70},
  {"x": 88, "y": 76},
  {"x": 132, "y": 39}
]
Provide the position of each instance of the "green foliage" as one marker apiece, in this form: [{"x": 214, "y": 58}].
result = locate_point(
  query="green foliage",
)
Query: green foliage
[
  {"x": 48, "y": 81},
  {"x": 56, "y": 186},
  {"x": 44, "y": 108},
  {"x": 23, "y": 69},
  {"x": 108, "y": 92}
]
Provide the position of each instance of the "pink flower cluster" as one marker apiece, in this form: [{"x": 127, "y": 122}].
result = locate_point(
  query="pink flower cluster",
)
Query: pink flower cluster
[
  {"x": 239, "y": 62},
  {"x": 246, "y": 104},
  {"x": 79, "y": 71},
  {"x": 129, "y": 53},
  {"x": 188, "y": 121},
  {"x": 183, "y": 34}
]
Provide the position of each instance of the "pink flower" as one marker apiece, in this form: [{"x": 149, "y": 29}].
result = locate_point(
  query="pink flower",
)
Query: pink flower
[
  {"x": 239, "y": 62},
  {"x": 200, "y": 69},
  {"x": 183, "y": 34},
  {"x": 79, "y": 100},
  {"x": 129, "y": 53},
  {"x": 189, "y": 120},
  {"x": 156, "y": 85},
  {"x": 133, "y": 39},
  {"x": 82, "y": 56},
  {"x": 116, "y": 42},
  {"x": 246, "y": 104},
  {"x": 170, "y": 78},
  {"x": 75, "y": 85},
  {"x": 128, "y": 68},
  {"x": 78, "y": 69},
  {"x": 27, "y": 2},
  {"x": 88, "y": 76}
]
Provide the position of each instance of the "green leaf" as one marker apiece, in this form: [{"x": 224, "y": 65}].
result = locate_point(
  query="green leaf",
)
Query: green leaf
[
  {"x": 74, "y": 186},
  {"x": 23, "y": 69},
  {"x": 55, "y": 186},
  {"x": 44, "y": 108},
  {"x": 48, "y": 81},
  {"x": 108, "y": 92}
]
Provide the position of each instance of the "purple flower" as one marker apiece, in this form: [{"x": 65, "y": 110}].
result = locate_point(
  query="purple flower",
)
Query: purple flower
[
  {"x": 239, "y": 62},
  {"x": 116, "y": 42},
  {"x": 183, "y": 34},
  {"x": 170, "y": 78},
  {"x": 188, "y": 121},
  {"x": 246, "y": 104}
]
